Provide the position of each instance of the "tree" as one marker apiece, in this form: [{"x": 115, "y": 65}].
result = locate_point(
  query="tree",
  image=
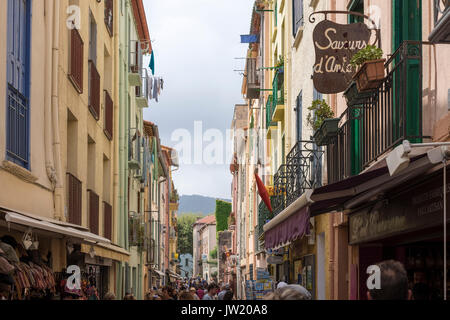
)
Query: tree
[
  {"x": 223, "y": 210},
  {"x": 185, "y": 225}
]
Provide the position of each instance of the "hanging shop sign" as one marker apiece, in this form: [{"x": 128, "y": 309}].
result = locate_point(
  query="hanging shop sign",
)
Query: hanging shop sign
[
  {"x": 275, "y": 260},
  {"x": 335, "y": 44},
  {"x": 407, "y": 211}
]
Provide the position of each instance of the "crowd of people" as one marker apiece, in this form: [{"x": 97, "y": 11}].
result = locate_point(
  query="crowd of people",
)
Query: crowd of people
[
  {"x": 393, "y": 279},
  {"x": 192, "y": 289}
]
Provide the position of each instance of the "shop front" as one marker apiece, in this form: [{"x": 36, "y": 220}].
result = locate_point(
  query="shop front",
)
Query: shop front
[
  {"x": 37, "y": 252},
  {"x": 404, "y": 224}
]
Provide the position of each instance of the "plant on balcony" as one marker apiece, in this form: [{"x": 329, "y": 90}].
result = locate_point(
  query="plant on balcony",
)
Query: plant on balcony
[
  {"x": 370, "y": 66},
  {"x": 322, "y": 122}
]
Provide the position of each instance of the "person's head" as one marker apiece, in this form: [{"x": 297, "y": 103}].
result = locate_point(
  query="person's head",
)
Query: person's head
[
  {"x": 129, "y": 297},
  {"x": 421, "y": 291},
  {"x": 286, "y": 293},
  {"x": 9, "y": 240},
  {"x": 212, "y": 289},
  {"x": 186, "y": 296},
  {"x": 393, "y": 282},
  {"x": 110, "y": 296},
  {"x": 192, "y": 290},
  {"x": 149, "y": 296},
  {"x": 5, "y": 291},
  {"x": 228, "y": 295}
]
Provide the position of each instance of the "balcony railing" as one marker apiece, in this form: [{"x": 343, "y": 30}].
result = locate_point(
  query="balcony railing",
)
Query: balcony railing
[
  {"x": 276, "y": 99},
  {"x": 263, "y": 216},
  {"x": 136, "y": 230},
  {"x": 94, "y": 90},
  {"x": 74, "y": 199},
  {"x": 135, "y": 61},
  {"x": 143, "y": 93},
  {"x": 134, "y": 150},
  {"x": 279, "y": 186},
  {"x": 304, "y": 164},
  {"x": 385, "y": 118},
  {"x": 269, "y": 111},
  {"x": 253, "y": 79}
]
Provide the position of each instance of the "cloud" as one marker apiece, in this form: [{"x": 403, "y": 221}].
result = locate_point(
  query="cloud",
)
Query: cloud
[{"x": 195, "y": 43}]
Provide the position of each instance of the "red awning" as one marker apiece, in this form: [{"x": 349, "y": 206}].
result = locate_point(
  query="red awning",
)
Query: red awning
[{"x": 294, "y": 227}]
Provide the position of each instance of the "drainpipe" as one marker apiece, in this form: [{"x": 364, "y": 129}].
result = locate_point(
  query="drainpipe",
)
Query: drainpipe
[
  {"x": 331, "y": 257},
  {"x": 50, "y": 169},
  {"x": 59, "y": 189}
]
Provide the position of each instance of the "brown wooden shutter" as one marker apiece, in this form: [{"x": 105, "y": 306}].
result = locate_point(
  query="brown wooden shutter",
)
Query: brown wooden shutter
[
  {"x": 93, "y": 211},
  {"x": 74, "y": 199},
  {"x": 76, "y": 60},
  {"x": 107, "y": 220},
  {"x": 109, "y": 116},
  {"x": 94, "y": 90}
]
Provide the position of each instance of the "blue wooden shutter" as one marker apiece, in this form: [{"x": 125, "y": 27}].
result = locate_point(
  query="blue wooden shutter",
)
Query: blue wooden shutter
[{"x": 17, "y": 126}]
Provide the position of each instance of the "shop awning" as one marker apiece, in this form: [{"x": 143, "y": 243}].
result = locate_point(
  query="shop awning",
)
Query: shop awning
[
  {"x": 293, "y": 222},
  {"x": 16, "y": 218},
  {"x": 107, "y": 251},
  {"x": 161, "y": 274},
  {"x": 175, "y": 275}
]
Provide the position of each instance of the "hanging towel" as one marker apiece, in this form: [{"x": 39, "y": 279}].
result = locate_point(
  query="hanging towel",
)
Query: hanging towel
[
  {"x": 152, "y": 63},
  {"x": 162, "y": 84},
  {"x": 155, "y": 85},
  {"x": 149, "y": 88}
]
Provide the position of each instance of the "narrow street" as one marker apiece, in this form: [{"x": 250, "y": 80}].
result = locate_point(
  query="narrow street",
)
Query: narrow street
[{"x": 246, "y": 150}]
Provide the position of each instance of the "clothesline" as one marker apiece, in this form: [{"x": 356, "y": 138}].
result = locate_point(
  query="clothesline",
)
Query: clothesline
[{"x": 154, "y": 87}]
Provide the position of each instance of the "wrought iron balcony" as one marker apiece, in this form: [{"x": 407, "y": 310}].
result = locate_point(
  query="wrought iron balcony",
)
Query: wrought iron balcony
[
  {"x": 302, "y": 171},
  {"x": 382, "y": 119},
  {"x": 441, "y": 31},
  {"x": 275, "y": 102},
  {"x": 304, "y": 165},
  {"x": 143, "y": 92}
]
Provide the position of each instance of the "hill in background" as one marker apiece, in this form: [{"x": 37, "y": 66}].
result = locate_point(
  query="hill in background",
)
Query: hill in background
[{"x": 197, "y": 204}]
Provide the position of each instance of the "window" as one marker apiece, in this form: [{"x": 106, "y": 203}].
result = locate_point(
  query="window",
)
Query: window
[
  {"x": 109, "y": 114},
  {"x": 107, "y": 220},
  {"x": 93, "y": 212},
  {"x": 109, "y": 16},
  {"x": 94, "y": 76},
  {"x": 299, "y": 115},
  {"x": 76, "y": 60},
  {"x": 18, "y": 79},
  {"x": 356, "y": 6},
  {"x": 297, "y": 15}
]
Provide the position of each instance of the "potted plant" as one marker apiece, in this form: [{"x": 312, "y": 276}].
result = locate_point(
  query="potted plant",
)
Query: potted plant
[
  {"x": 354, "y": 97},
  {"x": 321, "y": 120},
  {"x": 370, "y": 66}
]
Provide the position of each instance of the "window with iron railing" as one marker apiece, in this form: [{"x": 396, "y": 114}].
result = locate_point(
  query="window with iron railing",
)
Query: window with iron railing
[
  {"x": 94, "y": 90},
  {"x": 74, "y": 199},
  {"x": 109, "y": 116},
  {"x": 253, "y": 79},
  {"x": 381, "y": 119},
  {"x": 109, "y": 16},
  {"x": 93, "y": 209},
  {"x": 107, "y": 220},
  {"x": 76, "y": 60}
]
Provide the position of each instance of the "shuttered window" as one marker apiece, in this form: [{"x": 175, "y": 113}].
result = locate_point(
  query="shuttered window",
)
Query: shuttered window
[
  {"x": 107, "y": 220},
  {"x": 76, "y": 60},
  {"x": 74, "y": 199},
  {"x": 109, "y": 116},
  {"x": 94, "y": 90},
  {"x": 297, "y": 15},
  {"x": 18, "y": 79},
  {"x": 93, "y": 211},
  {"x": 299, "y": 113}
]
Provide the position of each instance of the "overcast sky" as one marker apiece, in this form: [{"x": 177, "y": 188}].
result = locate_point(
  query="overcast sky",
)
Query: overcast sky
[{"x": 195, "y": 44}]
